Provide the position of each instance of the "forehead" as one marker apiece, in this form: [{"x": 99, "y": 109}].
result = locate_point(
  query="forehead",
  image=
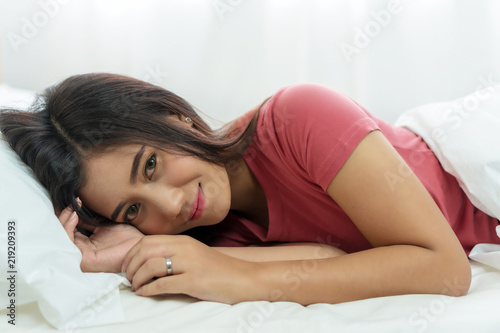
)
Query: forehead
[
  {"x": 110, "y": 157},
  {"x": 106, "y": 175}
]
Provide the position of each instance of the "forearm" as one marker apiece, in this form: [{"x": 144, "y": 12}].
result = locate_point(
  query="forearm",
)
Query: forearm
[
  {"x": 282, "y": 252},
  {"x": 383, "y": 271}
]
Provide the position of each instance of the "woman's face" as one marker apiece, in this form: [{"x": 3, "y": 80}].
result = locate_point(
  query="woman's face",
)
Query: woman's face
[{"x": 156, "y": 191}]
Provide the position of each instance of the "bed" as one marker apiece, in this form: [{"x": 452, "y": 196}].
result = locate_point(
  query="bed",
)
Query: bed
[
  {"x": 476, "y": 312},
  {"x": 52, "y": 294}
]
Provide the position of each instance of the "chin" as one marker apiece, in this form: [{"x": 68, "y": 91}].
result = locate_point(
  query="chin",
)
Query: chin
[{"x": 218, "y": 216}]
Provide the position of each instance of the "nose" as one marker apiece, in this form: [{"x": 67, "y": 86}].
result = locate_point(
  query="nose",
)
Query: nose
[{"x": 170, "y": 201}]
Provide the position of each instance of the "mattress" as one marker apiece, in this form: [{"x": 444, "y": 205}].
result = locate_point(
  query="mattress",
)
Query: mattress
[{"x": 475, "y": 312}]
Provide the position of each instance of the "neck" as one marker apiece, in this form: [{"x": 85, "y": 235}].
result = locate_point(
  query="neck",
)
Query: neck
[{"x": 247, "y": 196}]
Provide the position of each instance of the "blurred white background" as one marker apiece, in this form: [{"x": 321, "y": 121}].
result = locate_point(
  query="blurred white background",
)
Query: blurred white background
[{"x": 225, "y": 56}]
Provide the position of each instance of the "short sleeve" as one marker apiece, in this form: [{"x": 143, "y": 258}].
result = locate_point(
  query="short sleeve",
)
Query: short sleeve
[{"x": 320, "y": 127}]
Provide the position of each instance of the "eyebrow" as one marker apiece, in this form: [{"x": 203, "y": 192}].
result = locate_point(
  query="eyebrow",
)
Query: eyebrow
[
  {"x": 117, "y": 211},
  {"x": 133, "y": 176},
  {"x": 135, "y": 165}
]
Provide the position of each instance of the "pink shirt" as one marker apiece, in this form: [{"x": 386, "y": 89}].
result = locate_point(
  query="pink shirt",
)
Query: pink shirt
[{"x": 305, "y": 134}]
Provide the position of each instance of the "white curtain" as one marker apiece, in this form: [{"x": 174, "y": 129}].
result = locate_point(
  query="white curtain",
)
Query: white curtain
[{"x": 225, "y": 56}]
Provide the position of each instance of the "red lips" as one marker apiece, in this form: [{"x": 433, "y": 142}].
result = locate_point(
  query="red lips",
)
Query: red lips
[{"x": 198, "y": 205}]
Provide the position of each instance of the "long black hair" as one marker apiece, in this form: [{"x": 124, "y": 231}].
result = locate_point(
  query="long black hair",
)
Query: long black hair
[{"x": 84, "y": 115}]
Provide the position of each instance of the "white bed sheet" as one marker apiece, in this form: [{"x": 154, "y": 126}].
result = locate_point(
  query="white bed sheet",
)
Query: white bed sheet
[{"x": 476, "y": 312}]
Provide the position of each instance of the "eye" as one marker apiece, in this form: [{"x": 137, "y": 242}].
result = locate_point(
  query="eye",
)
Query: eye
[
  {"x": 131, "y": 213},
  {"x": 149, "y": 168}
]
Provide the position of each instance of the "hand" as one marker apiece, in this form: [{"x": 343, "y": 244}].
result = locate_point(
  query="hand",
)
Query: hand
[
  {"x": 198, "y": 270},
  {"x": 106, "y": 248}
]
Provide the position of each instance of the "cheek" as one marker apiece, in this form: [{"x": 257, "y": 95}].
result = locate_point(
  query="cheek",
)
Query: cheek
[{"x": 217, "y": 192}]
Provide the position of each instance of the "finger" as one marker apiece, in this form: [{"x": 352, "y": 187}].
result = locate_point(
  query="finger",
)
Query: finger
[
  {"x": 70, "y": 226},
  {"x": 65, "y": 215},
  {"x": 152, "y": 268},
  {"x": 67, "y": 212},
  {"x": 166, "y": 285},
  {"x": 147, "y": 247},
  {"x": 69, "y": 219},
  {"x": 142, "y": 256},
  {"x": 130, "y": 254},
  {"x": 81, "y": 223}
]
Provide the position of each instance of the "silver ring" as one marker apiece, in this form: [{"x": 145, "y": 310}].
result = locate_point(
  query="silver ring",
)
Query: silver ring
[{"x": 168, "y": 263}]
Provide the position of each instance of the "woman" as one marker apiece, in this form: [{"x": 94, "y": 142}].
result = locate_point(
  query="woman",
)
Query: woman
[{"x": 308, "y": 167}]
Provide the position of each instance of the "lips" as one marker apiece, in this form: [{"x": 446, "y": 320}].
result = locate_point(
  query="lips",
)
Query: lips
[{"x": 198, "y": 205}]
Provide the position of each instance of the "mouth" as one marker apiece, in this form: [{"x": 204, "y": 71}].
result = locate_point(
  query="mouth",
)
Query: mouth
[{"x": 198, "y": 205}]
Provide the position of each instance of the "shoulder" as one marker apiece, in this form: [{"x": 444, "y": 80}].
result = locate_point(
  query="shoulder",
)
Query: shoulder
[
  {"x": 311, "y": 103},
  {"x": 309, "y": 107},
  {"x": 315, "y": 126},
  {"x": 312, "y": 95}
]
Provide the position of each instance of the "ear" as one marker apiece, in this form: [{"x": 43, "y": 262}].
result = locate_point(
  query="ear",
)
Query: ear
[{"x": 185, "y": 120}]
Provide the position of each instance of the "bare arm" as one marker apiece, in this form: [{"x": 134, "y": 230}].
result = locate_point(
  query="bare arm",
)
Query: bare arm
[
  {"x": 415, "y": 249},
  {"x": 282, "y": 252}
]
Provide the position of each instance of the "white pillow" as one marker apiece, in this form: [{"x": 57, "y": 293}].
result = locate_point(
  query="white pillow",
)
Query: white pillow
[
  {"x": 15, "y": 98},
  {"x": 46, "y": 264},
  {"x": 465, "y": 136}
]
